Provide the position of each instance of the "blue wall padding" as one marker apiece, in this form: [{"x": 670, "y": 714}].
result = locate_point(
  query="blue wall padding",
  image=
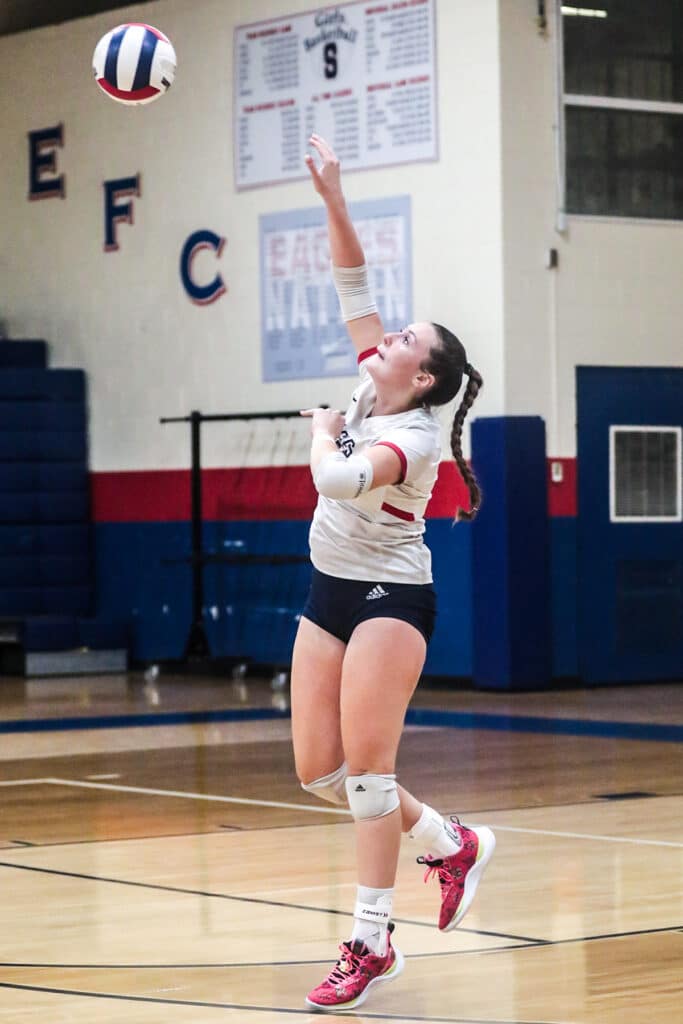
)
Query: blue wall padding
[
  {"x": 63, "y": 446},
  {"x": 50, "y": 570},
  {"x": 450, "y": 650},
  {"x": 50, "y": 633},
  {"x": 67, "y": 385},
  {"x": 251, "y": 611},
  {"x": 23, "y": 352},
  {"x": 564, "y": 588},
  {"x": 59, "y": 539},
  {"x": 45, "y": 508},
  {"x": 20, "y": 477},
  {"x": 510, "y": 555},
  {"x": 42, "y": 415},
  {"x": 63, "y": 600}
]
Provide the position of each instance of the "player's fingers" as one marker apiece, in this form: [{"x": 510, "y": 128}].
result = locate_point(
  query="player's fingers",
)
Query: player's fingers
[
  {"x": 310, "y": 163},
  {"x": 325, "y": 150}
]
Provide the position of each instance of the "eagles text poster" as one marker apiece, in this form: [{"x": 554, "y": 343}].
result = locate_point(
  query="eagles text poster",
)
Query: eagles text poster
[{"x": 302, "y": 332}]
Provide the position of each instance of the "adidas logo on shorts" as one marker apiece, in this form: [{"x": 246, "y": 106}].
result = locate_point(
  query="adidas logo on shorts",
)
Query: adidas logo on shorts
[{"x": 376, "y": 592}]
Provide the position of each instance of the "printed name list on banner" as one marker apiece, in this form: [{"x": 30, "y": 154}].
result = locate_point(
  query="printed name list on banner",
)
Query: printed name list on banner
[
  {"x": 362, "y": 75},
  {"x": 302, "y": 332}
]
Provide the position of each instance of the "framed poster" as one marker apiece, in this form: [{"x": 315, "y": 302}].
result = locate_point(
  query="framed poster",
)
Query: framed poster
[
  {"x": 361, "y": 74},
  {"x": 302, "y": 332}
]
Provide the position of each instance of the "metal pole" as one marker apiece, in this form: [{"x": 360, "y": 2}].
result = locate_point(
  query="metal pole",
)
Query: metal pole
[{"x": 197, "y": 643}]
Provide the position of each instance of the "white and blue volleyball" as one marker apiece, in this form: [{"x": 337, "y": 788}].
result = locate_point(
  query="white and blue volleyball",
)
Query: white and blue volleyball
[{"x": 134, "y": 64}]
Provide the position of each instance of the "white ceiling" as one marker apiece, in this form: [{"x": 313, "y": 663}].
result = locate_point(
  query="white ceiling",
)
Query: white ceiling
[{"x": 20, "y": 15}]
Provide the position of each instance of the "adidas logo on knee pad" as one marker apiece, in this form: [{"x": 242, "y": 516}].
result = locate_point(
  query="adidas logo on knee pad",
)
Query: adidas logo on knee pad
[{"x": 371, "y": 796}]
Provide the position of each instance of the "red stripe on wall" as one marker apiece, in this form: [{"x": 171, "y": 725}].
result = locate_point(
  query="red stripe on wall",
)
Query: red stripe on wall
[
  {"x": 159, "y": 495},
  {"x": 272, "y": 492},
  {"x": 562, "y": 495},
  {"x": 269, "y": 493}
]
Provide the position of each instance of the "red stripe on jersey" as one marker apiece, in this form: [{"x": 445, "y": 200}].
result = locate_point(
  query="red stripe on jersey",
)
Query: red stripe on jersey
[
  {"x": 366, "y": 354},
  {"x": 398, "y": 512},
  {"x": 401, "y": 455}
]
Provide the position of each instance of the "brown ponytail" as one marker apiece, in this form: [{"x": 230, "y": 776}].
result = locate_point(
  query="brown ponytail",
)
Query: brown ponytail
[
  {"x": 448, "y": 363},
  {"x": 474, "y": 384}
]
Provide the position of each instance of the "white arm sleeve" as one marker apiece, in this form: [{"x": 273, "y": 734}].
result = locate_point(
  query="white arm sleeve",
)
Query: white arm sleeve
[
  {"x": 353, "y": 291},
  {"x": 339, "y": 477}
]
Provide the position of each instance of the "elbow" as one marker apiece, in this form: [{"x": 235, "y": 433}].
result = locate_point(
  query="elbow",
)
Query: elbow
[{"x": 340, "y": 478}]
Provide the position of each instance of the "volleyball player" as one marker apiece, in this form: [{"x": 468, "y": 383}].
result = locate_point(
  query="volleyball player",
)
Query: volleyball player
[{"x": 362, "y": 639}]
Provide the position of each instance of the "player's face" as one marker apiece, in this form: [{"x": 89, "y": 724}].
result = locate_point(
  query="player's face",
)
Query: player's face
[{"x": 401, "y": 354}]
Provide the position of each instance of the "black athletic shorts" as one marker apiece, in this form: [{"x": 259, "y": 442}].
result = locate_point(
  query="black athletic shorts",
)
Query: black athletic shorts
[{"x": 338, "y": 605}]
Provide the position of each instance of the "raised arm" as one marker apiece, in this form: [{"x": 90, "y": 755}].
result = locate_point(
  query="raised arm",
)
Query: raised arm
[{"x": 348, "y": 260}]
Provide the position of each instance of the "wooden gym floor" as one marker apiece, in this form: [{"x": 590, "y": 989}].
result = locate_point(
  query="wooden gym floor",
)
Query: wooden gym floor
[{"x": 159, "y": 862}]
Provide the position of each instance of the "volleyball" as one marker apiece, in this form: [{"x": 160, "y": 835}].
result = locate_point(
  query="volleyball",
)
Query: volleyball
[{"x": 134, "y": 63}]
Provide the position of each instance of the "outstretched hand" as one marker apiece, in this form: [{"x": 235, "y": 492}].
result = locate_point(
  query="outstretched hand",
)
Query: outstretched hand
[{"x": 327, "y": 177}]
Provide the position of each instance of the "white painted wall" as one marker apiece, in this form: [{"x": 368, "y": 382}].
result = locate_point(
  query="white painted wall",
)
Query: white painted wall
[
  {"x": 616, "y": 297},
  {"x": 125, "y": 317}
]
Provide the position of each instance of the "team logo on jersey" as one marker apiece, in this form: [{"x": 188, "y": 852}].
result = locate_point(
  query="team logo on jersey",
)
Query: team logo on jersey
[{"x": 345, "y": 443}]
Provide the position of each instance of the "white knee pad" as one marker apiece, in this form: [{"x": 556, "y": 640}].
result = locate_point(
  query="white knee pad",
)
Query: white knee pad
[
  {"x": 371, "y": 796},
  {"x": 329, "y": 787}
]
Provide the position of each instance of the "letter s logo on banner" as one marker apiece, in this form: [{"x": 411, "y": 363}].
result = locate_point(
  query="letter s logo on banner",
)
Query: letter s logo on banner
[{"x": 202, "y": 295}]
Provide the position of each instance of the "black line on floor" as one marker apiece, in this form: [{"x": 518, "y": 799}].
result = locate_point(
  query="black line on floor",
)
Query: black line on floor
[
  {"x": 616, "y": 935},
  {"x": 551, "y": 942},
  {"x": 531, "y": 944},
  {"x": 232, "y": 966},
  {"x": 255, "y": 1009},
  {"x": 235, "y": 899}
]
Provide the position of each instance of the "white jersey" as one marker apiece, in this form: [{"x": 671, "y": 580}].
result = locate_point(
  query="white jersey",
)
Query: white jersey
[{"x": 378, "y": 536}]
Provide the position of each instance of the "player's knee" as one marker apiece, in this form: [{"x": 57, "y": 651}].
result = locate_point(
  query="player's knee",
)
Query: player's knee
[
  {"x": 371, "y": 796},
  {"x": 329, "y": 787}
]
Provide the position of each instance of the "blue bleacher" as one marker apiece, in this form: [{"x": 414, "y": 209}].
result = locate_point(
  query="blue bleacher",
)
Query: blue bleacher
[
  {"x": 23, "y": 352},
  {"x": 46, "y": 564}
]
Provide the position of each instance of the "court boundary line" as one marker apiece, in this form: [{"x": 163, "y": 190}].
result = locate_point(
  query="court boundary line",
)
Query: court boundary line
[
  {"x": 257, "y": 1009},
  {"x": 177, "y": 793},
  {"x": 596, "y": 728},
  {"x": 304, "y": 963},
  {"x": 182, "y": 794},
  {"x": 157, "y": 887}
]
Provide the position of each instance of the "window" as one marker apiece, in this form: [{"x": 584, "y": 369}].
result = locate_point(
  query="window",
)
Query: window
[
  {"x": 645, "y": 474},
  {"x": 622, "y": 100}
]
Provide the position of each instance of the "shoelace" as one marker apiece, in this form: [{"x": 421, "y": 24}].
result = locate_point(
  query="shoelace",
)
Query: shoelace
[
  {"x": 435, "y": 867},
  {"x": 339, "y": 973}
]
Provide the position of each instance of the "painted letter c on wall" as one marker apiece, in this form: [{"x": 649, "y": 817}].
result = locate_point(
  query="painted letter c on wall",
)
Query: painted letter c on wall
[{"x": 202, "y": 295}]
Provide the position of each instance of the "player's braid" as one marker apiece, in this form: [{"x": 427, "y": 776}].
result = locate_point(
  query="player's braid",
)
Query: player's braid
[
  {"x": 474, "y": 383},
  {"x": 448, "y": 362}
]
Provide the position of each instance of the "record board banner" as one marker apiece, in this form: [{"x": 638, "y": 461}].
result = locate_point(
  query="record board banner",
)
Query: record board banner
[
  {"x": 302, "y": 332},
  {"x": 362, "y": 75}
]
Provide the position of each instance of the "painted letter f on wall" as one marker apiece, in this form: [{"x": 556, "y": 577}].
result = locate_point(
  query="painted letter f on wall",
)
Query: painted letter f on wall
[{"x": 115, "y": 211}]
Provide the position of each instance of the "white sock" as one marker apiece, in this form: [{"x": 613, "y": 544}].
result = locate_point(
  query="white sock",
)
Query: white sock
[
  {"x": 371, "y": 917},
  {"x": 437, "y": 835}
]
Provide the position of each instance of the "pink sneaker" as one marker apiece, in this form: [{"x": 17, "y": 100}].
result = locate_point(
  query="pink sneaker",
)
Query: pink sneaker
[
  {"x": 356, "y": 971},
  {"x": 460, "y": 874}
]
